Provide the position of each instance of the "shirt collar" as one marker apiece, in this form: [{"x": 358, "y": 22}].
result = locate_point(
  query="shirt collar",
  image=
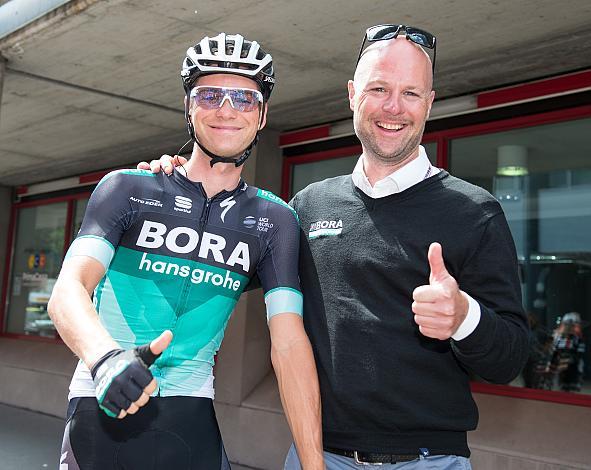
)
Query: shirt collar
[{"x": 403, "y": 178}]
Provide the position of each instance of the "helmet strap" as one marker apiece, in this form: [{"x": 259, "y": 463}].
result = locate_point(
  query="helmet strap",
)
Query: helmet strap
[{"x": 236, "y": 161}]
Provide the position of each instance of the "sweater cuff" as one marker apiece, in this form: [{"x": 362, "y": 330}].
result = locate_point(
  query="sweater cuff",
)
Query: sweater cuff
[{"x": 470, "y": 322}]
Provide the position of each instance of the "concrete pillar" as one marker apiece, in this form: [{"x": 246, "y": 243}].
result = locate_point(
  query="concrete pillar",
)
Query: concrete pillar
[
  {"x": 5, "y": 202},
  {"x": 2, "y": 76},
  {"x": 270, "y": 162},
  {"x": 5, "y": 210},
  {"x": 5, "y": 196}
]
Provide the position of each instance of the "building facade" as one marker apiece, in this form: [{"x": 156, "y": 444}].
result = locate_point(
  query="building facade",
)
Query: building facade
[
  {"x": 526, "y": 144},
  {"x": 68, "y": 116}
]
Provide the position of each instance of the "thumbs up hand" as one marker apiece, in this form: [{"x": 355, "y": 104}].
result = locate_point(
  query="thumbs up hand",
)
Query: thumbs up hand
[
  {"x": 439, "y": 307},
  {"x": 122, "y": 379}
]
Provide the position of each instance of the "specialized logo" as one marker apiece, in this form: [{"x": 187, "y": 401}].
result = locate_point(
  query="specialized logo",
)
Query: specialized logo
[
  {"x": 183, "y": 204},
  {"x": 154, "y": 234},
  {"x": 227, "y": 204},
  {"x": 324, "y": 228},
  {"x": 249, "y": 221},
  {"x": 146, "y": 202}
]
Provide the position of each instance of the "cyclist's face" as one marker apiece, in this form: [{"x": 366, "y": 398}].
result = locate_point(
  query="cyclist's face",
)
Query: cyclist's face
[{"x": 226, "y": 131}]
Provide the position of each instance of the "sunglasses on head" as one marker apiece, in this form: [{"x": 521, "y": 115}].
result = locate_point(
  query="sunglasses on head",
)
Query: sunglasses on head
[
  {"x": 241, "y": 99},
  {"x": 384, "y": 32}
]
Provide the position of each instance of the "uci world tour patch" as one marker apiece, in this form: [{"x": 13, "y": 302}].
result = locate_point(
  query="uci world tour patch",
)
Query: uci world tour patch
[{"x": 325, "y": 228}]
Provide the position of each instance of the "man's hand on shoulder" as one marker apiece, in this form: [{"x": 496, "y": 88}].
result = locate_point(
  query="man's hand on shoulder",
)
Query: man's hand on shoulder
[
  {"x": 439, "y": 307},
  {"x": 122, "y": 379},
  {"x": 165, "y": 163}
]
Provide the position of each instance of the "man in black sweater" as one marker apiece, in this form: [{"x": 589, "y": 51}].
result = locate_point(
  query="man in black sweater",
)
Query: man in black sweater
[{"x": 409, "y": 278}]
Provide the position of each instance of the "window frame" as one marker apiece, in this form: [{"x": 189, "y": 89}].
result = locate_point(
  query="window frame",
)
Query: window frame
[{"x": 10, "y": 252}]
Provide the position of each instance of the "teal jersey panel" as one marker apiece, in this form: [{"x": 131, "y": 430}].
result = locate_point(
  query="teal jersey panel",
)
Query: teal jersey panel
[{"x": 143, "y": 295}]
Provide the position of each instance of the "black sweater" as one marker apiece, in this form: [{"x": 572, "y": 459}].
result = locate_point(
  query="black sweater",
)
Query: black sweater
[{"x": 385, "y": 387}]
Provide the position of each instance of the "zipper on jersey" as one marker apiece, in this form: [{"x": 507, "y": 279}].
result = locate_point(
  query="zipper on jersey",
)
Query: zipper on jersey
[
  {"x": 204, "y": 216},
  {"x": 194, "y": 257}
]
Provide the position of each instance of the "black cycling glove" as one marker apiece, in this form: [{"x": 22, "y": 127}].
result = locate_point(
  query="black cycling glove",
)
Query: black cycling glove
[{"x": 120, "y": 377}]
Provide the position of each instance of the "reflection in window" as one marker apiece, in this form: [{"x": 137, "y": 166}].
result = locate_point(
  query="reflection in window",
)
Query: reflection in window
[
  {"x": 37, "y": 259},
  {"x": 79, "y": 210},
  {"x": 542, "y": 178},
  {"x": 306, "y": 173},
  {"x": 431, "y": 150}
]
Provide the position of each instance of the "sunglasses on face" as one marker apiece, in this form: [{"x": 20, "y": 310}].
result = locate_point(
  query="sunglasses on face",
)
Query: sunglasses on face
[
  {"x": 241, "y": 99},
  {"x": 384, "y": 32}
]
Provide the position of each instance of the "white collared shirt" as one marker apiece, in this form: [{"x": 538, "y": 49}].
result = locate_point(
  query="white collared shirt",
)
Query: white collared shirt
[{"x": 408, "y": 175}]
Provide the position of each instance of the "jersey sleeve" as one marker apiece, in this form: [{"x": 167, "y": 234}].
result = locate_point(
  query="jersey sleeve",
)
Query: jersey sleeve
[
  {"x": 107, "y": 216},
  {"x": 278, "y": 268}
]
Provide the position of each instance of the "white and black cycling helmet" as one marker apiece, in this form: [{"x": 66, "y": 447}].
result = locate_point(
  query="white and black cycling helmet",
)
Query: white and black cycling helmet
[{"x": 227, "y": 53}]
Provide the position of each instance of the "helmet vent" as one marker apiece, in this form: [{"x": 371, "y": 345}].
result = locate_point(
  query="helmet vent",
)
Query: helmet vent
[
  {"x": 227, "y": 65},
  {"x": 245, "y": 50}
]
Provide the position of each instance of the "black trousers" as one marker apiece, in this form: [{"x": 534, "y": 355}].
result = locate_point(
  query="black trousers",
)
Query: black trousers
[{"x": 179, "y": 433}]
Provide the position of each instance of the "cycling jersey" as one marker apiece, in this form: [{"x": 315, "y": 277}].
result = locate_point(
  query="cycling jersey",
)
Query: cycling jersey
[{"x": 176, "y": 259}]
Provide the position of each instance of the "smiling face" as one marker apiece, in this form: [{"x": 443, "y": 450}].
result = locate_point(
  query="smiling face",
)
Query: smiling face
[
  {"x": 226, "y": 131},
  {"x": 391, "y": 98}
]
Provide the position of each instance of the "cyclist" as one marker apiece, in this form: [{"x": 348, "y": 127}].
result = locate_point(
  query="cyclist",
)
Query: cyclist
[{"x": 167, "y": 259}]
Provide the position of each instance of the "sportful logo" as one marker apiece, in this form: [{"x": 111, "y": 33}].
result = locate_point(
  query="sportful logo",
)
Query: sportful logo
[
  {"x": 228, "y": 204},
  {"x": 325, "y": 228},
  {"x": 183, "y": 204},
  {"x": 147, "y": 202}
]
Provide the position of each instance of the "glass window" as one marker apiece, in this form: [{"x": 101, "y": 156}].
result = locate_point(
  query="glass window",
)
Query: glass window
[
  {"x": 306, "y": 173},
  {"x": 431, "y": 149},
  {"x": 79, "y": 210},
  {"x": 36, "y": 263},
  {"x": 542, "y": 178}
]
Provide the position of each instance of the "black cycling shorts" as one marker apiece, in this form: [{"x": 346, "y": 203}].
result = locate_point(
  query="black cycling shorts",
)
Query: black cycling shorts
[{"x": 179, "y": 433}]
